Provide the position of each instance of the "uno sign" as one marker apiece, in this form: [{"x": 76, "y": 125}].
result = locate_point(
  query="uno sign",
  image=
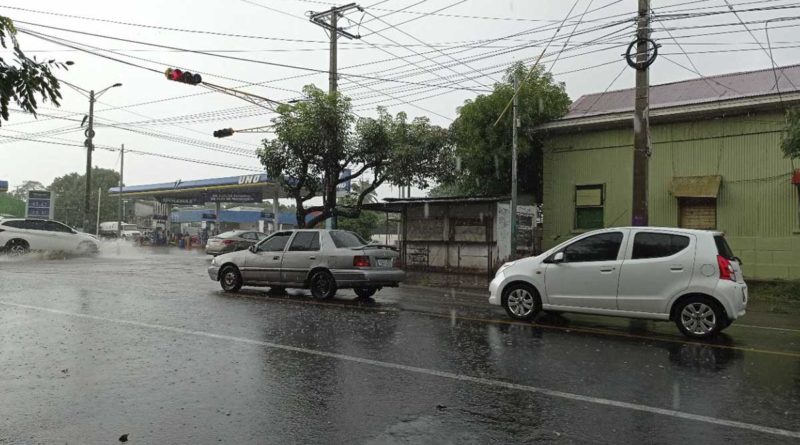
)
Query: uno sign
[{"x": 249, "y": 179}]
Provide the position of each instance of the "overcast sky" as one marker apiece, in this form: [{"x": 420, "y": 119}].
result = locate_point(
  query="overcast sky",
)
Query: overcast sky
[{"x": 179, "y": 119}]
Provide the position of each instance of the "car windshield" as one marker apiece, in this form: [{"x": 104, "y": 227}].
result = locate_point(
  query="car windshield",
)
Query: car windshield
[
  {"x": 129, "y": 227},
  {"x": 343, "y": 238}
]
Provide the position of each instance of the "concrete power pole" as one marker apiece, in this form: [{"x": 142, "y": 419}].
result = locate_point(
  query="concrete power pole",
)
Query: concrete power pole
[
  {"x": 329, "y": 20},
  {"x": 641, "y": 117},
  {"x": 121, "y": 182},
  {"x": 89, "y": 148},
  {"x": 514, "y": 125}
]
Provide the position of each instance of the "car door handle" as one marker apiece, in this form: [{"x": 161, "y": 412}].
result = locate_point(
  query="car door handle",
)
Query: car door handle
[
  {"x": 676, "y": 268},
  {"x": 312, "y": 257},
  {"x": 607, "y": 269},
  {"x": 276, "y": 257}
]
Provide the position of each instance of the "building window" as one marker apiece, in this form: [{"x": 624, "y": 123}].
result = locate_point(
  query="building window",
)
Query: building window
[
  {"x": 589, "y": 200},
  {"x": 698, "y": 213}
]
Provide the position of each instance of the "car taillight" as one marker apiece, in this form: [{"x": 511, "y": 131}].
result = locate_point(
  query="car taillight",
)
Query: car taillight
[
  {"x": 361, "y": 261},
  {"x": 725, "y": 268},
  {"x": 228, "y": 241}
]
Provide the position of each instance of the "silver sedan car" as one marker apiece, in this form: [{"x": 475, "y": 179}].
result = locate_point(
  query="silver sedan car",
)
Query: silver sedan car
[{"x": 320, "y": 260}]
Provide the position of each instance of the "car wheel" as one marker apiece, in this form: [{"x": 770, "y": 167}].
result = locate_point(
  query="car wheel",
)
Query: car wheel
[
  {"x": 17, "y": 247},
  {"x": 230, "y": 279},
  {"x": 521, "y": 301},
  {"x": 700, "y": 317},
  {"x": 322, "y": 285},
  {"x": 365, "y": 292},
  {"x": 86, "y": 249}
]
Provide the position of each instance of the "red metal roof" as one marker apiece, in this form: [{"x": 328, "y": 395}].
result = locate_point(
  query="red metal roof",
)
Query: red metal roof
[{"x": 695, "y": 91}]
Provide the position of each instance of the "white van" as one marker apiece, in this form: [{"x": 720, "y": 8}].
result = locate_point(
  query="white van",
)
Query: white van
[{"x": 129, "y": 231}]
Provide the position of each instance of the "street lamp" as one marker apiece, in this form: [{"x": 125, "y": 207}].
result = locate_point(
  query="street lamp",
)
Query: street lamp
[{"x": 89, "y": 133}]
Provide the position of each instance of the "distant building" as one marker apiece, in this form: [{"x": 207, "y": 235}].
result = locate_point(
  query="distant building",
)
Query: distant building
[{"x": 716, "y": 164}]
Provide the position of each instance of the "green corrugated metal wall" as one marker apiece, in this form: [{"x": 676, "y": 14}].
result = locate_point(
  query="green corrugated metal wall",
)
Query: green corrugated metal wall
[{"x": 757, "y": 206}]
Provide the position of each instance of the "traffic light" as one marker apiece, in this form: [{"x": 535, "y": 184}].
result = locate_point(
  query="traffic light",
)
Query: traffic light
[
  {"x": 225, "y": 132},
  {"x": 183, "y": 76}
]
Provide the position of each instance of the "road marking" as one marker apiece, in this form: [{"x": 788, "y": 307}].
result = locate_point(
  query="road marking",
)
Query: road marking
[
  {"x": 432, "y": 372},
  {"x": 752, "y": 326}
]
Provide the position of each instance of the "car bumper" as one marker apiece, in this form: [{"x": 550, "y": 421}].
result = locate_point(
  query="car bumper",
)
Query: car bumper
[
  {"x": 218, "y": 250},
  {"x": 387, "y": 277},
  {"x": 213, "y": 272},
  {"x": 735, "y": 296},
  {"x": 495, "y": 289}
]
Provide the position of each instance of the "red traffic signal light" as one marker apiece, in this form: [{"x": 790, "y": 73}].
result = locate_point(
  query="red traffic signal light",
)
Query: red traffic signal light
[
  {"x": 177, "y": 75},
  {"x": 225, "y": 132}
]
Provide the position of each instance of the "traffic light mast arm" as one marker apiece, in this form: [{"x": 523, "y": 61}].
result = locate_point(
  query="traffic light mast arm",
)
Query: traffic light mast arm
[
  {"x": 249, "y": 97},
  {"x": 264, "y": 129}
]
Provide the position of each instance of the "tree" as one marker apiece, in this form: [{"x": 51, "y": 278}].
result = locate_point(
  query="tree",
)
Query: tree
[
  {"x": 21, "y": 191},
  {"x": 484, "y": 149},
  {"x": 357, "y": 187},
  {"x": 320, "y": 144},
  {"x": 11, "y": 206},
  {"x": 790, "y": 144},
  {"x": 26, "y": 78},
  {"x": 68, "y": 191}
]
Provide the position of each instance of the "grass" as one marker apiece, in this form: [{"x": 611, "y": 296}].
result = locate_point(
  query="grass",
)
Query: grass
[
  {"x": 775, "y": 296},
  {"x": 11, "y": 206}
]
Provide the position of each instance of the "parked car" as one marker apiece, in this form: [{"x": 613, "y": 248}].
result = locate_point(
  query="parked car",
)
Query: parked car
[
  {"x": 320, "y": 260},
  {"x": 690, "y": 277},
  {"x": 233, "y": 241},
  {"x": 18, "y": 236}
]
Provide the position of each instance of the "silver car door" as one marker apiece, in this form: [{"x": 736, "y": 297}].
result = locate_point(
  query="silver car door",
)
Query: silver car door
[
  {"x": 302, "y": 253},
  {"x": 264, "y": 265}
]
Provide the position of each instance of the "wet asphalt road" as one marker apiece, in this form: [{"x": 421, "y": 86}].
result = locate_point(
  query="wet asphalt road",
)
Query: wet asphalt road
[{"x": 144, "y": 344}]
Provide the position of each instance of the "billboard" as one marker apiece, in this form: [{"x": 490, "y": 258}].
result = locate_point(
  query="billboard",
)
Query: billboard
[
  {"x": 3, "y": 186},
  {"x": 40, "y": 204}
]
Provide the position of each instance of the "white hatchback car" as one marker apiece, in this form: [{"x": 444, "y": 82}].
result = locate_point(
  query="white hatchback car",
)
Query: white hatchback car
[
  {"x": 18, "y": 236},
  {"x": 688, "y": 276}
]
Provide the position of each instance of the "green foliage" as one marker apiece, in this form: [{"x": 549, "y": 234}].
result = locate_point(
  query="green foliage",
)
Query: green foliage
[
  {"x": 9, "y": 205},
  {"x": 25, "y": 79},
  {"x": 791, "y": 139},
  {"x": 366, "y": 224},
  {"x": 484, "y": 149},
  {"x": 21, "y": 191},
  {"x": 69, "y": 194},
  {"x": 318, "y": 138}
]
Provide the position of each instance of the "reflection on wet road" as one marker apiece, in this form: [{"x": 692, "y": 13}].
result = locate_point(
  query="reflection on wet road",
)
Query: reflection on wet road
[{"x": 144, "y": 344}]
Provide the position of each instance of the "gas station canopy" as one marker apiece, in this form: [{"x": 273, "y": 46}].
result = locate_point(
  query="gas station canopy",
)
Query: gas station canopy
[
  {"x": 3, "y": 186},
  {"x": 235, "y": 189}
]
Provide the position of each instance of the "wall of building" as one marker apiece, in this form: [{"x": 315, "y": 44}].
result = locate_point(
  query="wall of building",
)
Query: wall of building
[{"x": 757, "y": 206}]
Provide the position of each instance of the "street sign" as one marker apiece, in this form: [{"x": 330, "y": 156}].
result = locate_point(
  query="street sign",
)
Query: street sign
[
  {"x": 40, "y": 204},
  {"x": 241, "y": 197},
  {"x": 181, "y": 200}
]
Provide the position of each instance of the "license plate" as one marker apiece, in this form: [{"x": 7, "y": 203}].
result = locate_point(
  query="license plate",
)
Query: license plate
[{"x": 384, "y": 262}]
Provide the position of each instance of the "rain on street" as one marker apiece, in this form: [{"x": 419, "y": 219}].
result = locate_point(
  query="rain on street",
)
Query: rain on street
[{"x": 143, "y": 343}]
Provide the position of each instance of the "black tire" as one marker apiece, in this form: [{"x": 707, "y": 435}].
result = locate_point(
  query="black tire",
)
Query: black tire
[
  {"x": 521, "y": 301},
  {"x": 365, "y": 292},
  {"x": 322, "y": 285},
  {"x": 700, "y": 317},
  {"x": 230, "y": 279},
  {"x": 17, "y": 247},
  {"x": 87, "y": 249}
]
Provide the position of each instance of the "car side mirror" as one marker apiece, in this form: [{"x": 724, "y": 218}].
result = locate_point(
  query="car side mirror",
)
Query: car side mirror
[
  {"x": 253, "y": 248},
  {"x": 558, "y": 257}
]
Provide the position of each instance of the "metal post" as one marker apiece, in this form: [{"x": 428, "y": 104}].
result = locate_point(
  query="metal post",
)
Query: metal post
[
  {"x": 275, "y": 208},
  {"x": 333, "y": 60},
  {"x": 514, "y": 126},
  {"x": 99, "y": 199},
  {"x": 641, "y": 121},
  {"x": 89, "y": 148},
  {"x": 121, "y": 176}
]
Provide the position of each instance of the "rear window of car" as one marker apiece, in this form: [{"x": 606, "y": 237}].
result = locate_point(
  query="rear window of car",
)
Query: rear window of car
[
  {"x": 232, "y": 234},
  {"x": 344, "y": 239},
  {"x": 723, "y": 249},
  {"x": 657, "y": 245}
]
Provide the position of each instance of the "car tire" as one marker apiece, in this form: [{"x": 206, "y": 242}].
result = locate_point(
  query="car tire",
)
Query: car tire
[
  {"x": 521, "y": 301},
  {"x": 17, "y": 247},
  {"x": 700, "y": 317},
  {"x": 230, "y": 279},
  {"x": 322, "y": 285},
  {"x": 365, "y": 292},
  {"x": 86, "y": 249}
]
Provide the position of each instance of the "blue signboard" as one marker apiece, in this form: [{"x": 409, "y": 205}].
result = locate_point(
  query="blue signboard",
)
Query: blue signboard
[
  {"x": 40, "y": 204},
  {"x": 3, "y": 186}
]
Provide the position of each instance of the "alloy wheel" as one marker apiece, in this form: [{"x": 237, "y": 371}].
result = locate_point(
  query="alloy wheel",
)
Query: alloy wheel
[{"x": 698, "y": 318}]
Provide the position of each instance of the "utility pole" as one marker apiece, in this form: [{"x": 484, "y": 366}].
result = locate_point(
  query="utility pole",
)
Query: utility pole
[
  {"x": 89, "y": 148},
  {"x": 121, "y": 182},
  {"x": 99, "y": 197},
  {"x": 329, "y": 20},
  {"x": 641, "y": 117},
  {"x": 514, "y": 125}
]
